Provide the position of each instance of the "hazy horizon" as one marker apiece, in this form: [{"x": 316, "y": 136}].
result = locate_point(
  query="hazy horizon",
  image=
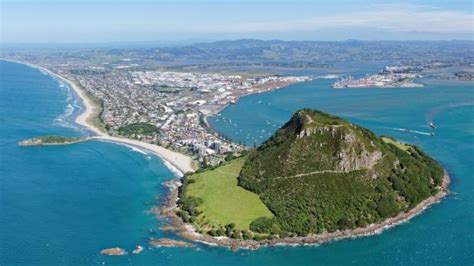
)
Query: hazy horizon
[{"x": 184, "y": 21}]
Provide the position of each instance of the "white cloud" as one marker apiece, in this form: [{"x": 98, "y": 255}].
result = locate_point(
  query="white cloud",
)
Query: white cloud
[{"x": 387, "y": 17}]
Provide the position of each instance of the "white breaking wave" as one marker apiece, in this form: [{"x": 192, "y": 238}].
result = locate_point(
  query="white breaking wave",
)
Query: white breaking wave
[
  {"x": 173, "y": 169},
  {"x": 138, "y": 150},
  {"x": 132, "y": 148},
  {"x": 74, "y": 103},
  {"x": 168, "y": 165},
  {"x": 69, "y": 110},
  {"x": 66, "y": 118}
]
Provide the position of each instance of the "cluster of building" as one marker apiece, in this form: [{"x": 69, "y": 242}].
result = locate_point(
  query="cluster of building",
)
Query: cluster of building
[
  {"x": 390, "y": 77},
  {"x": 379, "y": 81},
  {"x": 177, "y": 103},
  {"x": 464, "y": 75},
  {"x": 133, "y": 87}
]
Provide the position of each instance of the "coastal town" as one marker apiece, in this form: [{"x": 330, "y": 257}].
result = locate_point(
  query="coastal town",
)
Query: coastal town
[
  {"x": 164, "y": 110},
  {"x": 140, "y": 99},
  {"x": 167, "y": 108},
  {"x": 236, "y": 133},
  {"x": 391, "y": 77},
  {"x": 173, "y": 106},
  {"x": 406, "y": 75}
]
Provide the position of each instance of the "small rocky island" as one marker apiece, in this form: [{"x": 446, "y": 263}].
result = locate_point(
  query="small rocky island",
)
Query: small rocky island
[
  {"x": 51, "y": 140},
  {"x": 318, "y": 178},
  {"x": 113, "y": 251}
]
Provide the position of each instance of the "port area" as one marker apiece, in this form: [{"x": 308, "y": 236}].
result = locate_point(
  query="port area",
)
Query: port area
[{"x": 390, "y": 77}]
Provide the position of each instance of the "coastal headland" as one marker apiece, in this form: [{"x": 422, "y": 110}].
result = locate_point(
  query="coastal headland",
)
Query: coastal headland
[{"x": 322, "y": 177}]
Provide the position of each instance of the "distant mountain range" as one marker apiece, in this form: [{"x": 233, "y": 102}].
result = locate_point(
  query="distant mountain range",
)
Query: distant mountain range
[
  {"x": 246, "y": 53},
  {"x": 310, "y": 53}
]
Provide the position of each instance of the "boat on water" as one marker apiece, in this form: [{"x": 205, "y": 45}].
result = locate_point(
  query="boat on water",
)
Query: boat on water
[
  {"x": 138, "y": 249},
  {"x": 432, "y": 125}
]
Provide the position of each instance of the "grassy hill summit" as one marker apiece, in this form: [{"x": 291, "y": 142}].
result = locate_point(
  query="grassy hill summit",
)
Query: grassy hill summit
[{"x": 316, "y": 174}]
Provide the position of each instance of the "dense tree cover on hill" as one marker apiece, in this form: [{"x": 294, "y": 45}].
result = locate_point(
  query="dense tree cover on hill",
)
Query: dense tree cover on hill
[
  {"x": 265, "y": 225},
  {"x": 287, "y": 153},
  {"x": 295, "y": 174},
  {"x": 187, "y": 204},
  {"x": 318, "y": 173},
  {"x": 418, "y": 176}
]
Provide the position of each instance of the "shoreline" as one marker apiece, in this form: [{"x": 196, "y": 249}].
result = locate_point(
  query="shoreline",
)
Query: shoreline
[
  {"x": 180, "y": 162},
  {"x": 216, "y": 112},
  {"x": 187, "y": 231}
]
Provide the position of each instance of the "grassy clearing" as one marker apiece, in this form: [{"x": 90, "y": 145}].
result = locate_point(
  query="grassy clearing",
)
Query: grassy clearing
[
  {"x": 223, "y": 201},
  {"x": 401, "y": 146},
  {"x": 94, "y": 119}
]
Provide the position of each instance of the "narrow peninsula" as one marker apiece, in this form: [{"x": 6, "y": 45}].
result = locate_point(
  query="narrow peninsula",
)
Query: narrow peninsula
[
  {"x": 318, "y": 178},
  {"x": 90, "y": 119}
]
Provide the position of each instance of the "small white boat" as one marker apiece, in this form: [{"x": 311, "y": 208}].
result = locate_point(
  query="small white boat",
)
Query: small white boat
[{"x": 137, "y": 250}]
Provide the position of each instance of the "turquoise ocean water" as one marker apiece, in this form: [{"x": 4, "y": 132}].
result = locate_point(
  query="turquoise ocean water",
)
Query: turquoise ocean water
[{"x": 62, "y": 205}]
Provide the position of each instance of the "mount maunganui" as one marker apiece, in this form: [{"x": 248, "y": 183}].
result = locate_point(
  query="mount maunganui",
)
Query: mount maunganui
[{"x": 320, "y": 173}]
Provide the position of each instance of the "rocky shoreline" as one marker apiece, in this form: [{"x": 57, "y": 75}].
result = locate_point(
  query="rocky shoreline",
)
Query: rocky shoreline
[
  {"x": 113, "y": 251},
  {"x": 168, "y": 242},
  {"x": 187, "y": 231}
]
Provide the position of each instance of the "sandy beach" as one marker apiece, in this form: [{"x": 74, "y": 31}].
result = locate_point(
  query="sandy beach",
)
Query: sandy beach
[{"x": 182, "y": 163}]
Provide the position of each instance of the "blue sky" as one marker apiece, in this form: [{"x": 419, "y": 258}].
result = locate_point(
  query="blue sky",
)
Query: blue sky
[{"x": 88, "y": 21}]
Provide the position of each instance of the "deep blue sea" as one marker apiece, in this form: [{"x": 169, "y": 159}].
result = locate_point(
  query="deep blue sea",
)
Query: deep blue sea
[{"x": 62, "y": 205}]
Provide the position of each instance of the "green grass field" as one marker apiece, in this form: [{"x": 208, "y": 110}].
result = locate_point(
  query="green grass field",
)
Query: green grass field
[
  {"x": 401, "y": 146},
  {"x": 224, "y": 201}
]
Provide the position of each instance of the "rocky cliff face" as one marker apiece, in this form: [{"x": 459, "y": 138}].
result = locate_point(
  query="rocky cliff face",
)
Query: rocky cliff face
[
  {"x": 312, "y": 141},
  {"x": 355, "y": 155}
]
